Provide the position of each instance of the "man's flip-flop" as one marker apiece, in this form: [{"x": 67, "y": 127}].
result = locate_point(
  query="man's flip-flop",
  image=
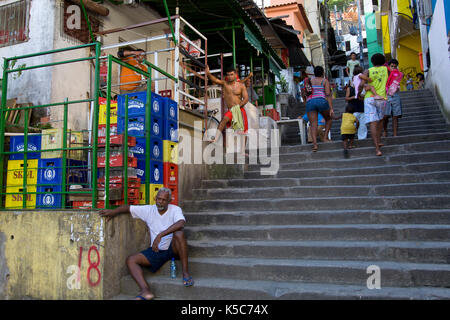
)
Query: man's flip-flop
[
  {"x": 141, "y": 298},
  {"x": 187, "y": 282}
]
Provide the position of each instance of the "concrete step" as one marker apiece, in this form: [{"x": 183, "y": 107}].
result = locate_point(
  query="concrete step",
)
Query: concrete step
[
  {"x": 363, "y": 180},
  {"x": 396, "y": 251},
  {"x": 405, "y": 130},
  {"x": 275, "y": 203},
  {"x": 234, "y": 289},
  {"x": 316, "y": 217},
  {"x": 437, "y": 158},
  {"x": 336, "y": 136},
  {"x": 316, "y": 271},
  {"x": 338, "y": 232},
  {"x": 438, "y": 188},
  {"x": 430, "y": 137},
  {"x": 362, "y": 170},
  {"x": 365, "y": 150},
  {"x": 424, "y": 117},
  {"x": 430, "y": 113}
]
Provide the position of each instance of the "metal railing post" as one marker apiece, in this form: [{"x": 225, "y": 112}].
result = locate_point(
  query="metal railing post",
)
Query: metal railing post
[
  {"x": 108, "y": 132},
  {"x": 3, "y": 121},
  {"x": 148, "y": 130},
  {"x": 25, "y": 162},
  {"x": 94, "y": 168},
  {"x": 64, "y": 154},
  {"x": 125, "y": 156}
]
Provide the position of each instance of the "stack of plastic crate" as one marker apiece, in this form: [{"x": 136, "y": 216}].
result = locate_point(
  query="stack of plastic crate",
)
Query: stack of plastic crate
[
  {"x": 137, "y": 114},
  {"x": 170, "y": 146},
  {"x": 50, "y": 167},
  {"x": 118, "y": 161},
  {"x": 15, "y": 174}
]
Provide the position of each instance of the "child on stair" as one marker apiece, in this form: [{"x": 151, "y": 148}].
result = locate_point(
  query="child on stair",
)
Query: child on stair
[
  {"x": 349, "y": 127},
  {"x": 360, "y": 82}
]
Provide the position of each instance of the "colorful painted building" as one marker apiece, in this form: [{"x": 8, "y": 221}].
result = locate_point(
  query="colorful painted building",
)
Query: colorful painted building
[
  {"x": 434, "y": 19},
  {"x": 401, "y": 36}
]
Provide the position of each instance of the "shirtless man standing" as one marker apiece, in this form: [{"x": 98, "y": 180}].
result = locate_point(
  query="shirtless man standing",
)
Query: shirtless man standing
[{"x": 234, "y": 93}]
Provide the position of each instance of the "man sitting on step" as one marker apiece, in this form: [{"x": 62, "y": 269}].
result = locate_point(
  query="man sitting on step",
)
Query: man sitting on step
[{"x": 166, "y": 222}]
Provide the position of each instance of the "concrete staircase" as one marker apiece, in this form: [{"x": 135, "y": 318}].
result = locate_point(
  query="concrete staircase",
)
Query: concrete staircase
[{"x": 312, "y": 231}]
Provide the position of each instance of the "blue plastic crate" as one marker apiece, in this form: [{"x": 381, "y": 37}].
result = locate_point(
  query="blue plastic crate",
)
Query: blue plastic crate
[
  {"x": 136, "y": 126},
  {"x": 170, "y": 130},
  {"x": 137, "y": 101},
  {"x": 17, "y": 144},
  {"x": 170, "y": 111},
  {"x": 50, "y": 171},
  {"x": 49, "y": 199},
  {"x": 156, "y": 171},
  {"x": 156, "y": 148}
]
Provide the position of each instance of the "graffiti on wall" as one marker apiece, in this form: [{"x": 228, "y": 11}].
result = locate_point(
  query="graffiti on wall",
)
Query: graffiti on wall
[
  {"x": 93, "y": 274},
  {"x": 408, "y": 72}
]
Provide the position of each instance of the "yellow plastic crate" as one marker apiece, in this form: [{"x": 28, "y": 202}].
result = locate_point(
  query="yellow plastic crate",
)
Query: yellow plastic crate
[
  {"x": 53, "y": 139},
  {"x": 153, "y": 191},
  {"x": 15, "y": 201},
  {"x": 14, "y": 177},
  {"x": 112, "y": 115},
  {"x": 170, "y": 151}
]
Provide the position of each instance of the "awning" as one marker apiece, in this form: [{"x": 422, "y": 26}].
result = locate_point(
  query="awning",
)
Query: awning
[
  {"x": 274, "y": 68},
  {"x": 252, "y": 39}
]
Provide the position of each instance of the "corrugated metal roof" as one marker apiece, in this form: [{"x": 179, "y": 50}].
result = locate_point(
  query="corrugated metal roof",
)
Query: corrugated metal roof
[{"x": 220, "y": 14}]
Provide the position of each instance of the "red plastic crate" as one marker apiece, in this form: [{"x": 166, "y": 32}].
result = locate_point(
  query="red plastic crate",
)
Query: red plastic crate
[
  {"x": 117, "y": 182},
  {"x": 117, "y": 161},
  {"x": 133, "y": 193},
  {"x": 102, "y": 130},
  {"x": 170, "y": 174},
  {"x": 116, "y": 140},
  {"x": 101, "y": 203},
  {"x": 87, "y": 204},
  {"x": 272, "y": 113},
  {"x": 174, "y": 190}
]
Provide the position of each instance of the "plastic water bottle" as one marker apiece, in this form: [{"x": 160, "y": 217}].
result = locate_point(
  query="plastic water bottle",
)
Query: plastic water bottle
[{"x": 173, "y": 269}]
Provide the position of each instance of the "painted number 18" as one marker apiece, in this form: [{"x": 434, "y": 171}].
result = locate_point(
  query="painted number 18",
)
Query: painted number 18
[{"x": 74, "y": 281}]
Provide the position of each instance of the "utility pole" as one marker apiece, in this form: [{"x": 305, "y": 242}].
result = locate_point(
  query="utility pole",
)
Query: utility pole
[{"x": 360, "y": 37}]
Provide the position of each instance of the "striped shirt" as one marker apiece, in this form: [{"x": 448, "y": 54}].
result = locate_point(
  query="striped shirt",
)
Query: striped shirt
[{"x": 318, "y": 91}]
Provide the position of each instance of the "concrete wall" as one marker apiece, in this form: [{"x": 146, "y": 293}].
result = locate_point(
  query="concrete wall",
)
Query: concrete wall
[
  {"x": 314, "y": 41},
  {"x": 37, "y": 81},
  {"x": 38, "y": 248},
  {"x": 438, "y": 77},
  {"x": 193, "y": 166}
]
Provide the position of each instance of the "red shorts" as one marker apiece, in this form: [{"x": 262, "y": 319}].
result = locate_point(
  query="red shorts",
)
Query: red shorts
[{"x": 229, "y": 115}]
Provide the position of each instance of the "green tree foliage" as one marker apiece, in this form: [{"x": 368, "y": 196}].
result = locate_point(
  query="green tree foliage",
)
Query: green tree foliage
[{"x": 340, "y": 4}]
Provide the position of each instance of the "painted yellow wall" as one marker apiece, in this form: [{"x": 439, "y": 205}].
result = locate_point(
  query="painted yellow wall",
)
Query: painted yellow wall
[
  {"x": 408, "y": 57},
  {"x": 386, "y": 35},
  {"x": 403, "y": 7},
  {"x": 38, "y": 248}
]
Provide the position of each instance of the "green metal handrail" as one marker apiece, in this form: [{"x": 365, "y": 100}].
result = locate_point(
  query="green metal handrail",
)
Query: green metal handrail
[
  {"x": 95, "y": 122},
  {"x": 4, "y": 111}
]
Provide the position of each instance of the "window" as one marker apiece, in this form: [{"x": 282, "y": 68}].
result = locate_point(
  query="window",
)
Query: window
[{"x": 14, "y": 18}]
